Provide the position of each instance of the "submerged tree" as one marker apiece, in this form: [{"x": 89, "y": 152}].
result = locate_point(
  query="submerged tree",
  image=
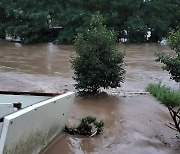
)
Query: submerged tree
[{"x": 98, "y": 62}]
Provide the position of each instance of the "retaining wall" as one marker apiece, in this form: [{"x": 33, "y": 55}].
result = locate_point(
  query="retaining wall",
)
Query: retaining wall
[{"x": 29, "y": 130}]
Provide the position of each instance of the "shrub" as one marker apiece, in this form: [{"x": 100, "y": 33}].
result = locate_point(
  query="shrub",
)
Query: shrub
[
  {"x": 89, "y": 126},
  {"x": 165, "y": 95},
  {"x": 98, "y": 62},
  {"x": 170, "y": 98},
  {"x": 172, "y": 62}
]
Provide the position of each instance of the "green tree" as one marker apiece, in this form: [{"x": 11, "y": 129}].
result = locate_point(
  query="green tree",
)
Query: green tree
[
  {"x": 28, "y": 19},
  {"x": 2, "y": 21},
  {"x": 158, "y": 15},
  {"x": 172, "y": 62},
  {"x": 171, "y": 99},
  {"x": 98, "y": 62}
]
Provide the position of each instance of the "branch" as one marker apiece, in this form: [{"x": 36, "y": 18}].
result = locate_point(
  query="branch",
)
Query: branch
[
  {"x": 178, "y": 111},
  {"x": 171, "y": 127}
]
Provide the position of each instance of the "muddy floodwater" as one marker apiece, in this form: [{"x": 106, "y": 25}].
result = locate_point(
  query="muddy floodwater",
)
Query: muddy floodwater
[
  {"x": 133, "y": 124},
  {"x": 46, "y": 67}
]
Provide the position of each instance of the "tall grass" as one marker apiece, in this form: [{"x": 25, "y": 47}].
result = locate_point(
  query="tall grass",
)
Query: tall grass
[{"x": 164, "y": 94}]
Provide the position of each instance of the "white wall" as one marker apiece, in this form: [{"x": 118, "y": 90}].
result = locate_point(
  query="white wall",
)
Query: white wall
[
  {"x": 26, "y": 100},
  {"x": 29, "y": 130},
  {"x": 5, "y": 109}
]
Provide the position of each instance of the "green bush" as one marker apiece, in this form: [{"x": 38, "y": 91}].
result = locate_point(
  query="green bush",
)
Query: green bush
[
  {"x": 172, "y": 62},
  {"x": 98, "y": 62},
  {"x": 89, "y": 126},
  {"x": 165, "y": 95},
  {"x": 174, "y": 40}
]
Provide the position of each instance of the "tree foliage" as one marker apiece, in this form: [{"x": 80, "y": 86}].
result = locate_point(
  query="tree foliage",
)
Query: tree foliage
[
  {"x": 172, "y": 62},
  {"x": 98, "y": 62},
  {"x": 2, "y": 21},
  {"x": 174, "y": 40},
  {"x": 29, "y": 19}
]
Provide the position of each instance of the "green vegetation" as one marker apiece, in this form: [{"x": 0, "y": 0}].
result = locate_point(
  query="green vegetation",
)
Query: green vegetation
[
  {"x": 171, "y": 99},
  {"x": 165, "y": 95},
  {"x": 2, "y": 21},
  {"x": 174, "y": 40},
  {"x": 30, "y": 20},
  {"x": 89, "y": 126},
  {"x": 172, "y": 62},
  {"x": 98, "y": 62}
]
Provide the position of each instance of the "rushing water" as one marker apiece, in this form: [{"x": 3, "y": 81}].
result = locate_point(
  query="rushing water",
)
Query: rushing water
[
  {"x": 132, "y": 124},
  {"x": 46, "y": 67}
]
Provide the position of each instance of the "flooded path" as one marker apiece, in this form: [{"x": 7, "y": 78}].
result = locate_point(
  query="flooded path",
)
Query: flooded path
[{"x": 133, "y": 125}]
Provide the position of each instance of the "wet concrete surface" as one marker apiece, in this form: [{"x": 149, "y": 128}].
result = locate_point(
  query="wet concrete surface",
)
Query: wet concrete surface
[{"x": 133, "y": 125}]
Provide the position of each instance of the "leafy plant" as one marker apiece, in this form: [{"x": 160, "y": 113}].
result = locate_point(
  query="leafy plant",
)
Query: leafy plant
[
  {"x": 89, "y": 126},
  {"x": 171, "y": 99},
  {"x": 98, "y": 62},
  {"x": 172, "y": 62},
  {"x": 174, "y": 40},
  {"x": 165, "y": 95}
]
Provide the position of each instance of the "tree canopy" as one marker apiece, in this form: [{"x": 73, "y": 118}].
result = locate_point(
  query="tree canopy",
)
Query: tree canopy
[
  {"x": 98, "y": 63},
  {"x": 172, "y": 62},
  {"x": 30, "y": 20}
]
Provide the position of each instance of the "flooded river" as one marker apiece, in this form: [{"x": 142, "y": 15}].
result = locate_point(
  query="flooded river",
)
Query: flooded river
[
  {"x": 133, "y": 125},
  {"x": 46, "y": 67}
]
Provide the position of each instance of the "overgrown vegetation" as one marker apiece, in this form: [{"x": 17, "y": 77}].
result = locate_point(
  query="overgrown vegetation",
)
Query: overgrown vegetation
[
  {"x": 165, "y": 95},
  {"x": 30, "y": 19},
  {"x": 172, "y": 62},
  {"x": 170, "y": 98},
  {"x": 98, "y": 62},
  {"x": 89, "y": 126}
]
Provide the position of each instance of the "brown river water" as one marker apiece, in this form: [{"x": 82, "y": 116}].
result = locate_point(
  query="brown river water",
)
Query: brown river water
[{"x": 133, "y": 124}]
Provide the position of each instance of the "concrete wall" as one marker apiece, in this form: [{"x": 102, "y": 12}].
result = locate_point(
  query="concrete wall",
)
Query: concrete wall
[
  {"x": 26, "y": 100},
  {"x": 5, "y": 109},
  {"x": 29, "y": 130}
]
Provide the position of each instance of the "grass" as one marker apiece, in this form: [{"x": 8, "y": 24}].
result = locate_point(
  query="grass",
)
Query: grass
[{"x": 165, "y": 95}]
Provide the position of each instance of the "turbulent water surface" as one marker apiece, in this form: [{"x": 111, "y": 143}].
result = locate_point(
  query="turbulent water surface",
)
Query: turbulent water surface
[{"x": 132, "y": 124}]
